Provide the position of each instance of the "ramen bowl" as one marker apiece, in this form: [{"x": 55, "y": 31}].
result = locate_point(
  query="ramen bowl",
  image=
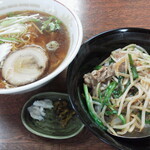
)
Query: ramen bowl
[
  {"x": 62, "y": 12},
  {"x": 92, "y": 53}
]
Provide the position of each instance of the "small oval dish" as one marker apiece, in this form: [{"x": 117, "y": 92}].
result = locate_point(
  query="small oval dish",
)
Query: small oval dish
[{"x": 51, "y": 126}]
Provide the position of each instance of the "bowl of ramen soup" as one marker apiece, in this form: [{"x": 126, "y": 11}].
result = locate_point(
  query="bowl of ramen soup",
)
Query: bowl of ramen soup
[
  {"x": 38, "y": 40},
  {"x": 109, "y": 85}
]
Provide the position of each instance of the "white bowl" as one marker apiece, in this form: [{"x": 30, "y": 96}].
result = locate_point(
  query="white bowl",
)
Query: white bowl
[{"x": 69, "y": 18}]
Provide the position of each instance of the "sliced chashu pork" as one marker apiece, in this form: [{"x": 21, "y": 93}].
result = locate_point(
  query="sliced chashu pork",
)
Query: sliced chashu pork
[{"x": 25, "y": 65}]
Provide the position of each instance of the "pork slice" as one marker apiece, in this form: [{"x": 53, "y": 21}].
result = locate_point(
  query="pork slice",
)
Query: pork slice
[{"x": 96, "y": 76}]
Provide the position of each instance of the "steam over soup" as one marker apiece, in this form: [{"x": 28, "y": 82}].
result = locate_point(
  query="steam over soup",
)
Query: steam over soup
[{"x": 32, "y": 45}]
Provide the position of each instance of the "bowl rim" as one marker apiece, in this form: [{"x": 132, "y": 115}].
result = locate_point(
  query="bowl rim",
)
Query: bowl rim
[
  {"x": 123, "y": 29},
  {"x": 59, "y": 69},
  {"x": 42, "y": 134}
]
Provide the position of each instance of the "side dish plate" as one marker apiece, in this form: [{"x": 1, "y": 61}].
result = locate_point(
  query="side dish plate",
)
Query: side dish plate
[{"x": 54, "y": 129}]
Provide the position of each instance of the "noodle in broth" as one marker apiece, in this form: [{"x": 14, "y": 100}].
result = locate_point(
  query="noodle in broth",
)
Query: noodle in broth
[{"x": 22, "y": 29}]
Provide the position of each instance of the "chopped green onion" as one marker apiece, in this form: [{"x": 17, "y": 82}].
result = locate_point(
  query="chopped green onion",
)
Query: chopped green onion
[
  {"x": 109, "y": 91},
  {"x": 126, "y": 86},
  {"x": 17, "y": 19},
  {"x": 8, "y": 22},
  {"x": 15, "y": 29},
  {"x": 15, "y": 26},
  {"x": 52, "y": 45},
  {"x": 118, "y": 91},
  {"x": 147, "y": 121},
  {"x": 110, "y": 112},
  {"x": 91, "y": 109},
  {"x": 121, "y": 117},
  {"x": 6, "y": 39},
  {"x": 133, "y": 68},
  {"x": 111, "y": 61},
  {"x": 52, "y": 24},
  {"x": 97, "y": 67}
]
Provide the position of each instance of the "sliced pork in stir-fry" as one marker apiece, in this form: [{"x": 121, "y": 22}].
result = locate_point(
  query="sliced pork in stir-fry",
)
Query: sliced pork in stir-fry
[{"x": 96, "y": 76}]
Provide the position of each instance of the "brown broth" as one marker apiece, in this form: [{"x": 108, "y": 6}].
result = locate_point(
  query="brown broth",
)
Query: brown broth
[{"x": 61, "y": 36}]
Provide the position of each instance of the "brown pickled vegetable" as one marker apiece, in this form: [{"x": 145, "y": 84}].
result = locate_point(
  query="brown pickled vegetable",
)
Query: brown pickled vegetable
[{"x": 63, "y": 111}]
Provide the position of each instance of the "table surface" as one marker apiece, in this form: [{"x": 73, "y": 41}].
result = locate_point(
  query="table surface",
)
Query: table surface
[{"x": 96, "y": 16}]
